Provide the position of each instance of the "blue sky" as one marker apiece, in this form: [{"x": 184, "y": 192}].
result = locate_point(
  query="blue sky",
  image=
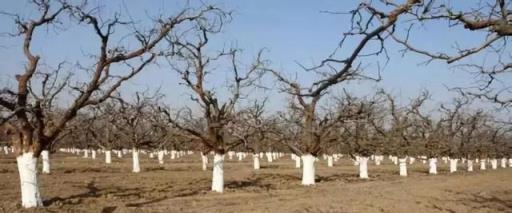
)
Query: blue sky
[{"x": 292, "y": 31}]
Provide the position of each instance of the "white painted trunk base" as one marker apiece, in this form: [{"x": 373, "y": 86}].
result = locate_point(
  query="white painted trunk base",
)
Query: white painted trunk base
[
  {"x": 470, "y": 165},
  {"x": 403, "y": 166},
  {"x": 93, "y": 154},
  {"x": 204, "y": 160},
  {"x": 45, "y": 156},
  {"x": 297, "y": 162},
  {"x": 363, "y": 167},
  {"x": 218, "y": 173},
  {"x": 503, "y": 163},
  {"x": 135, "y": 157},
  {"x": 108, "y": 157},
  {"x": 256, "y": 161},
  {"x": 432, "y": 166},
  {"x": 86, "y": 153},
  {"x": 308, "y": 170},
  {"x": 494, "y": 163},
  {"x": 161, "y": 157},
  {"x": 482, "y": 165},
  {"x": 27, "y": 168},
  {"x": 453, "y": 165},
  {"x": 329, "y": 161}
]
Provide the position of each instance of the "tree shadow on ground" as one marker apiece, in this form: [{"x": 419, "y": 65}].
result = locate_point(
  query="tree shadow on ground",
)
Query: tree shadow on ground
[{"x": 92, "y": 191}]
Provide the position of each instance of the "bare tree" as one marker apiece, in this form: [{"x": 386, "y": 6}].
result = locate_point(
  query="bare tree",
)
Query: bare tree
[
  {"x": 113, "y": 65},
  {"x": 194, "y": 64},
  {"x": 488, "y": 21},
  {"x": 332, "y": 71}
]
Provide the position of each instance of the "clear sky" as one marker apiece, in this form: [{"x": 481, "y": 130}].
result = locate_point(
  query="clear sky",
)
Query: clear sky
[{"x": 292, "y": 31}]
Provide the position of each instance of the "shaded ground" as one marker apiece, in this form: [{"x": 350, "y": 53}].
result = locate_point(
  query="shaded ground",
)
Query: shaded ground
[{"x": 86, "y": 185}]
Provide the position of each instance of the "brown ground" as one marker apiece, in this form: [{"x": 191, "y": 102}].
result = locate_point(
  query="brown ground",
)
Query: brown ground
[{"x": 85, "y": 185}]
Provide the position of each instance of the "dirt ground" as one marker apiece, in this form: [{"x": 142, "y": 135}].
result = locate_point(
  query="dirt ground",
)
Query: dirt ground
[{"x": 86, "y": 185}]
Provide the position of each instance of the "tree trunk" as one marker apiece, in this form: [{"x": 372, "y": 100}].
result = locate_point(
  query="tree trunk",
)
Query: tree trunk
[
  {"x": 470, "y": 165},
  {"x": 161, "y": 157},
  {"x": 432, "y": 166},
  {"x": 363, "y": 167},
  {"x": 403, "y": 166},
  {"x": 136, "y": 164},
  {"x": 93, "y": 154},
  {"x": 119, "y": 154},
  {"x": 204, "y": 160},
  {"x": 494, "y": 163},
  {"x": 45, "y": 156},
  {"x": 108, "y": 157},
  {"x": 503, "y": 163},
  {"x": 308, "y": 169},
  {"x": 329, "y": 161},
  {"x": 256, "y": 161},
  {"x": 86, "y": 153},
  {"x": 269, "y": 157},
  {"x": 27, "y": 167},
  {"x": 218, "y": 173},
  {"x": 453, "y": 165},
  {"x": 482, "y": 165}
]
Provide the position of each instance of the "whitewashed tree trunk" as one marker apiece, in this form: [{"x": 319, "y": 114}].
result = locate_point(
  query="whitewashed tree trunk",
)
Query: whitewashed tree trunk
[
  {"x": 93, "y": 154},
  {"x": 86, "y": 153},
  {"x": 27, "y": 168},
  {"x": 482, "y": 165},
  {"x": 494, "y": 163},
  {"x": 363, "y": 167},
  {"x": 297, "y": 162},
  {"x": 308, "y": 169},
  {"x": 6, "y": 150},
  {"x": 510, "y": 162},
  {"x": 470, "y": 165},
  {"x": 119, "y": 154},
  {"x": 173, "y": 154},
  {"x": 256, "y": 161},
  {"x": 453, "y": 165},
  {"x": 269, "y": 157},
  {"x": 432, "y": 164},
  {"x": 329, "y": 161},
  {"x": 161, "y": 157},
  {"x": 204, "y": 160},
  {"x": 218, "y": 173},
  {"x": 403, "y": 166},
  {"x": 503, "y": 163},
  {"x": 108, "y": 157},
  {"x": 135, "y": 157},
  {"x": 411, "y": 160},
  {"x": 45, "y": 156}
]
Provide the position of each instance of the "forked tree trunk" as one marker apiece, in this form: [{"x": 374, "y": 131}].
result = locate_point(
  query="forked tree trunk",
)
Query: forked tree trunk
[
  {"x": 218, "y": 173},
  {"x": 256, "y": 161},
  {"x": 432, "y": 166},
  {"x": 108, "y": 157},
  {"x": 27, "y": 167},
  {"x": 470, "y": 165},
  {"x": 45, "y": 157},
  {"x": 308, "y": 169},
  {"x": 403, "y": 166},
  {"x": 363, "y": 167},
  {"x": 136, "y": 164}
]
